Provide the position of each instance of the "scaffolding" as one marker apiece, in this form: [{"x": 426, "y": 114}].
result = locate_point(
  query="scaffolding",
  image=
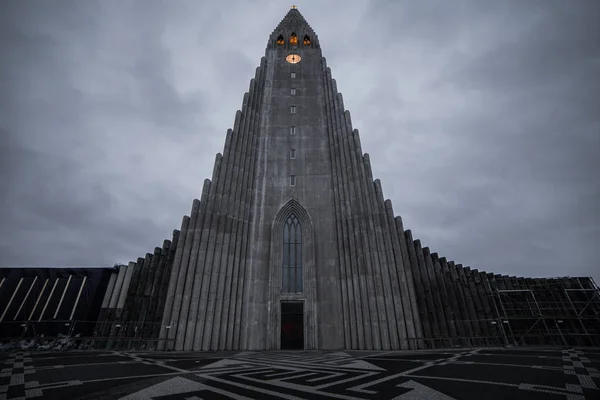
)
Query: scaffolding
[{"x": 555, "y": 311}]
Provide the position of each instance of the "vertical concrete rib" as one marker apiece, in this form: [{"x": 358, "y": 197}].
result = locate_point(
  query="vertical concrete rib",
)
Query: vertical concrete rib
[
  {"x": 433, "y": 320},
  {"x": 187, "y": 319},
  {"x": 464, "y": 311},
  {"x": 420, "y": 286},
  {"x": 454, "y": 315},
  {"x": 377, "y": 256},
  {"x": 195, "y": 332},
  {"x": 399, "y": 294},
  {"x": 437, "y": 301},
  {"x": 222, "y": 231},
  {"x": 244, "y": 197},
  {"x": 476, "y": 304},
  {"x": 249, "y": 198},
  {"x": 202, "y": 276},
  {"x": 195, "y": 263},
  {"x": 189, "y": 313},
  {"x": 146, "y": 300},
  {"x": 405, "y": 269},
  {"x": 496, "y": 330},
  {"x": 470, "y": 305},
  {"x": 362, "y": 212},
  {"x": 164, "y": 291},
  {"x": 124, "y": 289},
  {"x": 348, "y": 306},
  {"x": 441, "y": 284},
  {"x": 483, "y": 307},
  {"x": 156, "y": 291},
  {"x": 350, "y": 256},
  {"x": 241, "y": 171},
  {"x": 357, "y": 257},
  {"x": 117, "y": 288},
  {"x": 168, "y": 331},
  {"x": 184, "y": 292},
  {"x": 110, "y": 288}
]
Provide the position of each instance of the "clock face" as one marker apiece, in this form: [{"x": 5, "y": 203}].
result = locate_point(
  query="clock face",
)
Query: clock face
[{"x": 293, "y": 58}]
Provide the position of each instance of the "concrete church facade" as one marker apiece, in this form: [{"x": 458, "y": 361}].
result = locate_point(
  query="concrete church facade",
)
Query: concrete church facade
[
  {"x": 292, "y": 246},
  {"x": 293, "y": 213}
]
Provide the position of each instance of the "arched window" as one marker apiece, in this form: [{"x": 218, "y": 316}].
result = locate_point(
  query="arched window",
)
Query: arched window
[
  {"x": 280, "y": 40},
  {"x": 306, "y": 41},
  {"x": 294, "y": 39},
  {"x": 292, "y": 255}
]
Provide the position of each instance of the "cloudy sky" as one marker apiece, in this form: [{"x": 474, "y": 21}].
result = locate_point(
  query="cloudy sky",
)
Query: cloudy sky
[{"x": 482, "y": 120}]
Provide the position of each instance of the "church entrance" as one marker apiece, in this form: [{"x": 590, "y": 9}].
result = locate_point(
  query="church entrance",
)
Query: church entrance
[{"x": 292, "y": 325}]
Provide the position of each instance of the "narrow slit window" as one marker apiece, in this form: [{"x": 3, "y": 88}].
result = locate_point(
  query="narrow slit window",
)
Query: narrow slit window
[
  {"x": 293, "y": 91},
  {"x": 292, "y": 180},
  {"x": 293, "y": 109},
  {"x": 293, "y": 74},
  {"x": 292, "y": 153},
  {"x": 292, "y": 130}
]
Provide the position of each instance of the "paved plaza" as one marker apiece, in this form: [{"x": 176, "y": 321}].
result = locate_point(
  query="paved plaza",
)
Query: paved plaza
[{"x": 444, "y": 375}]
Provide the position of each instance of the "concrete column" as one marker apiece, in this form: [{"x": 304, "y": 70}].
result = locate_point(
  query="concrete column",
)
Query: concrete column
[
  {"x": 183, "y": 293},
  {"x": 149, "y": 287},
  {"x": 131, "y": 313},
  {"x": 439, "y": 314},
  {"x": 398, "y": 314},
  {"x": 188, "y": 314},
  {"x": 212, "y": 319},
  {"x": 475, "y": 285},
  {"x": 441, "y": 284},
  {"x": 456, "y": 327},
  {"x": 155, "y": 315},
  {"x": 348, "y": 255},
  {"x": 411, "y": 281},
  {"x": 400, "y": 286},
  {"x": 123, "y": 294},
  {"x": 419, "y": 286},
  {"x": 378, "y": 259},
  {"x": 431, "y": 309},
  {"x": 197, "y": 315},
  {"x": 108, "y": 294},
  {"x": 348, "y": 306},
  {"x": 472, "y": 314},
  {"x": 168, "y": 328},
  {"x": 352, "y": 256},
  {"x": 462, "y": 303},
  {"x": 358, "y": 258},
  {"x": 246, "y": 199},
  {"x": 363, "y": 212},
  {"x": 224, "y": 330},
  {"x": 189, "y": 305},
  {"x": 235, "y": 160}
]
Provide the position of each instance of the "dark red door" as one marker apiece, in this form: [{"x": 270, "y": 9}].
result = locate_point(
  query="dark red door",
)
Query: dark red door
[{"x": 292, "y": 325}]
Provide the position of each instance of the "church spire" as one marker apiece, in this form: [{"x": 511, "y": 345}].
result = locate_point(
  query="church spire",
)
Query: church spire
[{"x": 293, "y": 30}]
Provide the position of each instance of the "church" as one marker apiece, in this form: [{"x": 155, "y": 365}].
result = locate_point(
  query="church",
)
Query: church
[{"x": 293, "y": 246}]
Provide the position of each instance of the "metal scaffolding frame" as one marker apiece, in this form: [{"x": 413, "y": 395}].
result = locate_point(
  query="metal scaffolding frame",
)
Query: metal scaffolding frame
[{"x": 549, "y": 312}]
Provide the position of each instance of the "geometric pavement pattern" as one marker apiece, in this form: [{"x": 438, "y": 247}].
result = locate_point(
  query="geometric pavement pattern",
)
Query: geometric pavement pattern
[{"x": 490, "y": 373}]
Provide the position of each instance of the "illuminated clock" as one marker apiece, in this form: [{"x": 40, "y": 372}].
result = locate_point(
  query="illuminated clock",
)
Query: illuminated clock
[{"x": 293, "y": 58}]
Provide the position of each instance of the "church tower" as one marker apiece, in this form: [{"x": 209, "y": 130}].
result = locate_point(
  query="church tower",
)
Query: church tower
[{"x": 291, "y": 244}]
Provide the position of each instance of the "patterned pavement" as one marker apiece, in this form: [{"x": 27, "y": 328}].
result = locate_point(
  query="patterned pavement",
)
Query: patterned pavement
[{"x": 522, "y": 373}]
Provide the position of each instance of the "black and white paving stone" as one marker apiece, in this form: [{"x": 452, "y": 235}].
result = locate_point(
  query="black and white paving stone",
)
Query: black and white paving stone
[{"x": 440, "y": 375}]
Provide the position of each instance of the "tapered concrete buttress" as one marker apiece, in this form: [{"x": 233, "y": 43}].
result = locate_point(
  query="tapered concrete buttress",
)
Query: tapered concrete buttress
[
  {"x": 347, "y": 295},
  {"x": 168, "y": 328}
]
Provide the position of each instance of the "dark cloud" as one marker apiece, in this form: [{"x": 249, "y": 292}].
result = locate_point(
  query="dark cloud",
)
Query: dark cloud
[{"x": 480, "y": 117}]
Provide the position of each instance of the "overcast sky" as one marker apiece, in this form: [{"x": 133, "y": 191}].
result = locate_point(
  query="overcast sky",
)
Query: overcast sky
[{"x": 482, "y": 120}]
